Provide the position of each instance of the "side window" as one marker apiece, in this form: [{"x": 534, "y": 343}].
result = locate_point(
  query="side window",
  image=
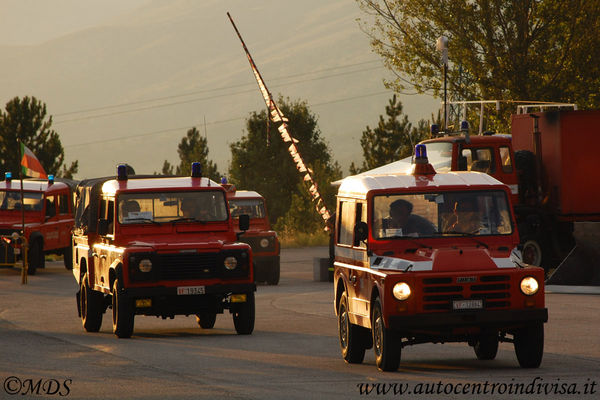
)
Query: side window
[
  {"x": 110, "y": 216},
  {"x": 346, "y": 223},
  {"x": 107, "y": 211},
  {"x": 360, "y": 215},
  {"x": 50, "y": 206},
  {"x": 473, "y": 159},
  {"x": 506, "y": 160},
  {"x": 63, "y": 204}
]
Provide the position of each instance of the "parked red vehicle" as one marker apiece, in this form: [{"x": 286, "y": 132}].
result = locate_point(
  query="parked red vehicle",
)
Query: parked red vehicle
[
  {"x": 260, "y": 236},
  {"x": 546, "y": 161},
  {"x": 159, "y": 246},
  {"x": 430, "y": 257},
  {"x": 47, "y": 210}
]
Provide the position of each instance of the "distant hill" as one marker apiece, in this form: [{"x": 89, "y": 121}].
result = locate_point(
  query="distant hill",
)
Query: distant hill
[{"x": 171, "y": 65}]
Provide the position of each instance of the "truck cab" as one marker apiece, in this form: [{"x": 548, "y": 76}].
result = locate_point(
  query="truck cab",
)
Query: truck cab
[
  {"x": 260, "y": 236},
  {"x": 46, "y": 212},
  {"x": 159, "y": 246},
  {"x": 431, "y": 257}
]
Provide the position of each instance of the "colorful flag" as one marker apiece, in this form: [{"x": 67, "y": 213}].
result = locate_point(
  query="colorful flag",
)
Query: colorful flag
[{"x": 30, "y": 165}]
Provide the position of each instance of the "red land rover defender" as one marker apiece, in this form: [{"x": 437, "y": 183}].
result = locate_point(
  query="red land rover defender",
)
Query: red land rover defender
[
  {"x": 48, "y": 211},
  {"x": 429, "y": 257},
  {"x": 160, "y": 246},
  {"x": 263, "y": 240}
]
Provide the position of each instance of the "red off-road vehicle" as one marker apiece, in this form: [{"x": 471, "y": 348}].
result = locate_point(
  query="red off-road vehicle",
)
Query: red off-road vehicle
[
  {"x": 260, "y": 236},
  {"x": 160, "y": 246},
  {"x": 429, "y": 257},
  {"x": 46, "y": 207}
]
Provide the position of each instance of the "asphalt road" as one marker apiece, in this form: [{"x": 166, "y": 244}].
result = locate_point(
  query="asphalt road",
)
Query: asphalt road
[{"x": 293, "y": 352}]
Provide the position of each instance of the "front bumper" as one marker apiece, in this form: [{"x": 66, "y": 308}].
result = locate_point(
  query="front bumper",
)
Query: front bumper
[
  {"x": 164, "y": 301},
  {"x": 487, "y": 319}
]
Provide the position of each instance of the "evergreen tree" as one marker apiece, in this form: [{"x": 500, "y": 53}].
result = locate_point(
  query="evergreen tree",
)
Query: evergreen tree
[
  {"x": 265, "y": 165},
  {"x": 192, "y": 148},
  {"x": 394, "y": 138},
  {"x": 26, "y": 120}
]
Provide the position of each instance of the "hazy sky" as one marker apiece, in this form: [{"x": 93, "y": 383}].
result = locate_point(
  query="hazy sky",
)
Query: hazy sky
[{"x": 125, "y": 80}]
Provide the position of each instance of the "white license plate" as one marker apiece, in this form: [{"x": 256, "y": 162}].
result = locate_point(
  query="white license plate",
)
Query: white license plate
[
  {"x": 190, "y": 290},
  {"x": 467, "y": 304}
]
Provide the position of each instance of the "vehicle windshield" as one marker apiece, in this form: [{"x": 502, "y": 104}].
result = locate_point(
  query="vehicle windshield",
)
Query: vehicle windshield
[
  {"x": 472, "y": 213},
  {"x": 255, "y": 208},
  {"x": 139, "y": 208},
  {"x": 11, "y": 200},
  {"x": 440, "y": 155}
]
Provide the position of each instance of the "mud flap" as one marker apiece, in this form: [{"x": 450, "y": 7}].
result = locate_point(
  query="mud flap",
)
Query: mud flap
[{"x": 582, "y": 264}]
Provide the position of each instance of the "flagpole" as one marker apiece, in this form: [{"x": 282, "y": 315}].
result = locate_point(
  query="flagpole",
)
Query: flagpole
[{"x": 23, "y": 239}]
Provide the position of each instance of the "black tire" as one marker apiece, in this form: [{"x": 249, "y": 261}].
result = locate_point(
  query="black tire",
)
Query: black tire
[
  {"x": 243, "y": 316},
  {"x": 529, "y": 345},
  {"x": 354, "y": 339},
  {"x": 206, "y": 319},
  {"x": 35, "y": 257},
  {"x": 486, "y": 347},
  {"x": 122, "y": 312},
  {"x": 68, "y": 258},
  {"x": 387, "y": 347},
  {"x": 90, "y": 305},
  {"x": 532, "y": 251},
  {"x": 274, "y": 273}
]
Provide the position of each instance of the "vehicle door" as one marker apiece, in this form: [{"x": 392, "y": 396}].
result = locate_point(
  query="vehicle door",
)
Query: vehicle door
[
  {"x": 352, "y": 258},
  {"x": 51, "y": 226},
  {"x": 103, "y": 250}
]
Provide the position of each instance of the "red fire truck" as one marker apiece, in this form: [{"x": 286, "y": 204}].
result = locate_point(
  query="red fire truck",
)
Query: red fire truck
[
  {"x": 159, "y": 246},
  {"x": 260, "y": 236},
  {"x": 429, "y": 257},
  {"x": 47, "y": 210},
  {"x": 546, "y": 162}
]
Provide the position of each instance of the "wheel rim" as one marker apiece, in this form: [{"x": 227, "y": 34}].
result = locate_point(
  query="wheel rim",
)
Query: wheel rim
[
  {"x": 343, "y": 327},
  {"x": 378, "y": 333},
  {"x": 532, "y": 253}
]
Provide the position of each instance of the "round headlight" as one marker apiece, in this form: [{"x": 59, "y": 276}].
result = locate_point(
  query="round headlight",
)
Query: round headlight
[
  {"x": 145, "y": 265},
  {"x": 230, "y": 263},
  {"x": 401, "y": 291},
  {"x": 264, "y": 242},
  {"x": 529, "y": 286},
  {"x": 14, "y": 235}
]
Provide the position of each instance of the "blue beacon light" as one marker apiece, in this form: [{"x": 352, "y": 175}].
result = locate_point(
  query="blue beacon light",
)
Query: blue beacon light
[
  {"x": 8, "y": 176},
  {"x": 196, "y": 170},
  {"x": 122, "y": 172}
]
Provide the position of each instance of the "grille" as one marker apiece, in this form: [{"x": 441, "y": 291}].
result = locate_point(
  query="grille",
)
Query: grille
[
  {"x": 189, "y": 266},
  {"x": 440, "y": 292}
]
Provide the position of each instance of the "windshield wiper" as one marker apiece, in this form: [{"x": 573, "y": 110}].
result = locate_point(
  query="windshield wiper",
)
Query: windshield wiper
[
  {"x": 143, "y": 220},
  {"x": 469, "y": 235},
  {"x": 186, "y": 219}
]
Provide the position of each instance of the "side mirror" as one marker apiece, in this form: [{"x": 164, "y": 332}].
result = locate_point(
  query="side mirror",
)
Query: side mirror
[
  {"x": 361, "y": 232},
  {"x": 102, "y": 226},
  {"x": 244, "y": 222}
]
